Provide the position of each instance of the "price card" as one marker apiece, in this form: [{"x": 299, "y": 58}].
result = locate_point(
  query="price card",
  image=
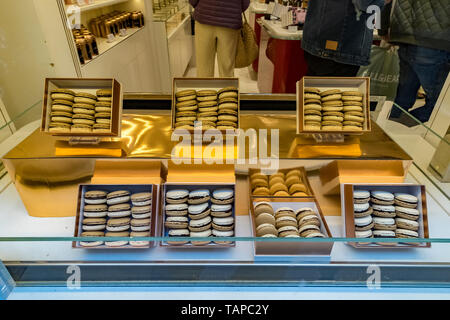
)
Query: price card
[{"x": 7, "y": 283}]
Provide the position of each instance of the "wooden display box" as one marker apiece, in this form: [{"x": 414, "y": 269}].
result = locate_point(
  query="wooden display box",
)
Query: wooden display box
[
  {"x": 304, "y": 177},
  {"x": 193, "y": 177},
  {"x": 133, "y": 188},
  {"x": 360, "y": 171},
  {"x": 291, "y": 250},
  {"x": 361, "y": 84},
  {"x": 349, "y": 218},
  {"x": 89, "y": 86},
  {"x": 197, "y": 84}
]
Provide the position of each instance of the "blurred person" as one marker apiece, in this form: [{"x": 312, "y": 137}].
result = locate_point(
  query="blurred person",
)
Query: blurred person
[
  {"x": 421, "y": 29},
  {"x": 336, "y": 38},
  {"x": 217, "y": 26}
]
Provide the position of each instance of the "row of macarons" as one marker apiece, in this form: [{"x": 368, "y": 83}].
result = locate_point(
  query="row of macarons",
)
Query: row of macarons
[
  {"x": 218, "y": 196},
  {"x": 286, "y": 222},
  {"x": 279, "y": 184}
]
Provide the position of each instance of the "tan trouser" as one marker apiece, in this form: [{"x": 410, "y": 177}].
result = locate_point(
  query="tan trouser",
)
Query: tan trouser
[{"x": 211, "y": 39}]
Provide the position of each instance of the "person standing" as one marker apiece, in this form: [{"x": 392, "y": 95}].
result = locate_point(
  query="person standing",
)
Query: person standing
[
  {"x": 421, "y": 29},
  {"x": 336, "y": 38},
  {"x": 217, "y": 26}
]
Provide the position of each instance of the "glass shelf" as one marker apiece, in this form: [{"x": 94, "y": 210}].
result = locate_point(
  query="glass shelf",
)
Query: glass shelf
[{"x": 168, "y": 9}]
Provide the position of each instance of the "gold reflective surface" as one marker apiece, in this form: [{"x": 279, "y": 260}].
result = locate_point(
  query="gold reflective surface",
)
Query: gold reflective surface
[{"x": 149, "y": 136}]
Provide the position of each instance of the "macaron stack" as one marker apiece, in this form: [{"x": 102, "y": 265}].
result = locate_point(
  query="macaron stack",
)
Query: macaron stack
[
  {"x": 116, "y": 213},
  {"x": 62, "y": 110},
  {"x": 103, "y": 111},
  {"x": 286, "y": 222},
  {"x": 215, "y": 109},
  {"x": 228, "y": 108},
  {"x": 186, "y": 109},
  {"x": 199, "y": 213},
  {"x": 83, "y": 112},
  {"x": 279, "y": 184},
  {"x": 333, "y": 110},
  {"x": 353, "y": 109},
  {"x": 381, "y": 214},
  {"x": 80, "y": 112},
  {"x": 312, "y": 109},
  {"x": 332, "y": 106}
]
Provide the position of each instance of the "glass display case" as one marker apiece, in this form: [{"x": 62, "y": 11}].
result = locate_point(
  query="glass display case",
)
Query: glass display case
[{"x": 40, "y": 196}]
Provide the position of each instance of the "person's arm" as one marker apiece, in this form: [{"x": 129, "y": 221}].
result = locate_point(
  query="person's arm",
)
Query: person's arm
[
  {"x": 194, "y": 3},
  {"x": 362, "y": 5},
  {"x": 245, "y": 5},
  {"x": 385, "y": 20}
]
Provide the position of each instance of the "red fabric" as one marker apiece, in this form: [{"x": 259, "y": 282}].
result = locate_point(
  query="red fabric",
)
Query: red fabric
[
  {"x": 258, "y": 38},
  {"x": 289, "y": 64}
]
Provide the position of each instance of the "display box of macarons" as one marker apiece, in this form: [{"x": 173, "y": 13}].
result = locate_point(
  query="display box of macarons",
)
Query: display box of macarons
[
  {"x": 395, "y": 211},
  {"x": 289, "y": 218},
  {"x": 333, "y": 105},
  {"x": 82, "y": 107},
  {"x": 292, "y": 182},
  {"x": 198, "y": 210},
  {"x": 212, "y": 103},
  {"x": 116, "y": 211}
]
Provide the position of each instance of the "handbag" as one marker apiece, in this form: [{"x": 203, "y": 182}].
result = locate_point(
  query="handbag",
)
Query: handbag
[{"x": 247, "y": 48}]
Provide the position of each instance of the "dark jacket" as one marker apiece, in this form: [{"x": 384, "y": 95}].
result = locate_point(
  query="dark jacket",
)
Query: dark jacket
[
  {"x": 222, "y": 13},
  {"x": 337, "y": 30},
  {"x": 420, "y": 23}
]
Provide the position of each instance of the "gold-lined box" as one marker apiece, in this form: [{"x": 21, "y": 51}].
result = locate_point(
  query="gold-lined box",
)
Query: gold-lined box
[
  {"x": 193, "y": 177},
  {"x": 347, "y": 204},
  {"x": 361, "y": 84},
  {"x": 89, "y": 86},
  {"x": 197, "y": 84},
  {"x": 132, "y": 188},
  {"x": 277, "y": 250},
  {"x": 360, "y": 171}
]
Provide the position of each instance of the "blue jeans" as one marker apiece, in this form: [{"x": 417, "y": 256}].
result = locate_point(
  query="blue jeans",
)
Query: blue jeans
[{"x": 420, "y": 66}]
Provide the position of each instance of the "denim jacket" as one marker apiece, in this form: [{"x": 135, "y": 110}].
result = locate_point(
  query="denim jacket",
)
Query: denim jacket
[{"x": 337, "y": 30}]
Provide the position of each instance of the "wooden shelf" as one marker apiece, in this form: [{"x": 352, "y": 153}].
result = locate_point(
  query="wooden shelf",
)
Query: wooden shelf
[{"x": 100, "y": 4}]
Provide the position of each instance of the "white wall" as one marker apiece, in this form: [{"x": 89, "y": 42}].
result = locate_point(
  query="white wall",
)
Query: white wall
[{"x": 24, "y": 58}]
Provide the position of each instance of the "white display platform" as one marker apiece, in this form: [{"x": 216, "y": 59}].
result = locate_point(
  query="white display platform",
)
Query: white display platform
[{"x": 17, "y": 223}]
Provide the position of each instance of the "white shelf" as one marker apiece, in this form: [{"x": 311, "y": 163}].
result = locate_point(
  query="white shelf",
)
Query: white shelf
[
  {"x": 104, "y": 45},
  {"x": 100, "y": 4}
]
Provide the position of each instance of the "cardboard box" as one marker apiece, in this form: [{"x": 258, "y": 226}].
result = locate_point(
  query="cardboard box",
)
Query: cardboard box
[
  {"x": 197, "y": 84},
  {"x": 304, "y": 177},
  {"x": 193, "y": 177},
  {"x": 360, "y": 171},
  {"x": 89, "y": 86},
  {"x": 349, "y": 218},
  {"x": 361, "y": 84},
  {"x": 295, "y": 250},
  {"x": 133, "y": 188}
]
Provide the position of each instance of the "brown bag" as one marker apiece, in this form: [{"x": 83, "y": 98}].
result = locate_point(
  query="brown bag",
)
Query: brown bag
[{"x": 247, "y": 48}]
